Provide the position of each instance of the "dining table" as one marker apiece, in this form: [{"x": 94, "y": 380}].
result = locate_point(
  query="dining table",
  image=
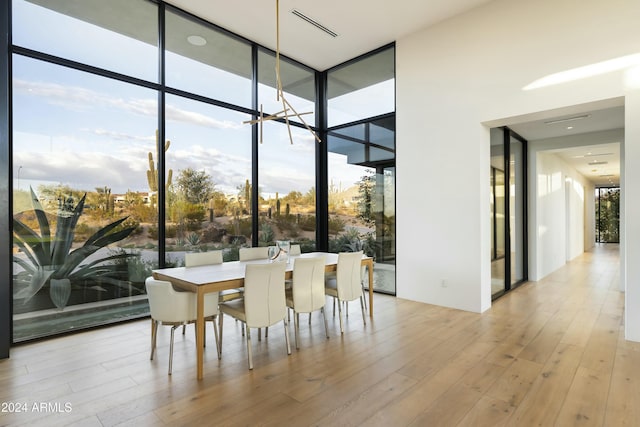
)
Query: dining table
[{"x": 230, "y": 275}]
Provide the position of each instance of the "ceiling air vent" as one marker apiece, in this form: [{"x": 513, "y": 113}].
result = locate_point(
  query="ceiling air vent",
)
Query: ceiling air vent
[
  {"x": 597, "y": 162},
  {"x": 313, "y": 22}
]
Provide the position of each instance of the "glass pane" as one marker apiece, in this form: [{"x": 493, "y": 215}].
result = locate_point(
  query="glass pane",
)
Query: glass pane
[
  {"x": 204, "y": 61},
  {"x": 498, "y": 235},
  {"x": 287, "y": 187},
  {"x": 362, "y": 89},
  {"x": 298, "y": 85},
  {"x": 608, "y": 215},
  {"x": 208, "y": 182},
  {"x": 362, "y": 195},
  {"x": 516, "y": 213},
  {"x": 80, "y": 145},
  {"x": 118, "y": 35}
]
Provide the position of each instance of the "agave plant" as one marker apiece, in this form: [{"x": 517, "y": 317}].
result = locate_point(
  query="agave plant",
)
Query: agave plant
[{"x": 50, "y": 260}]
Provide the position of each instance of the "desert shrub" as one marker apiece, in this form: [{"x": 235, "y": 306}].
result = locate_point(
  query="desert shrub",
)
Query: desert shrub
[
  {"x": 266, "y": 234},
  {"x": 336, "y": 225},
  {"x": 170, "y": 231},
  {"x": 239, "y": 227},
  {"x": 307, "y": 222},
  {"x": 213, "y": 234}
]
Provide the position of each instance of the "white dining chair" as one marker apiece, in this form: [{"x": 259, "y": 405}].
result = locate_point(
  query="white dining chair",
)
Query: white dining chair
[
  {"x": 249, "y": 254},
  {"x": 196, "y": 259},
  {"x": 172, "y": 308},
  {"x": 294, "y": 250},
  {"x": 306, "y": 293},
  {"x": 347, "y": 284},
  {"x": 263, "y": 303}
]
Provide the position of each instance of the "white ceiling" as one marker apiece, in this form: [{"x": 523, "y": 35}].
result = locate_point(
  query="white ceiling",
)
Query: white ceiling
[
  {"x": 362, "y": 25},
  {"x": 600, "y": 163}
]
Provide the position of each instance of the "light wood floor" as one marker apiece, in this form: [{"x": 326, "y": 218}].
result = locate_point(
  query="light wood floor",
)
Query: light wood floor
[{"x": 549, "y": 353}]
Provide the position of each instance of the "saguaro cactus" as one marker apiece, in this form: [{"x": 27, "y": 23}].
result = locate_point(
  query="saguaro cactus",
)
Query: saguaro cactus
[{"x": 152, "y": 175}]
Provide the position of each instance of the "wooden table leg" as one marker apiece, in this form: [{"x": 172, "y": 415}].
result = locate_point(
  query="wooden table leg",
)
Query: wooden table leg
[{"x": 200, "y": 333}]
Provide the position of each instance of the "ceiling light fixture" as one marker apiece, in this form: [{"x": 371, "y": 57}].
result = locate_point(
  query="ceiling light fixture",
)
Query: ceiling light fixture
[
  {"x": 197, "y": 40},
  {"x": 597, "y": 162},
  {"x": 593, "y": 155},
  {"x": 567, "y": 119},
  {"x": 313, "y": 22},
  {"x": 287, "y": 109}
]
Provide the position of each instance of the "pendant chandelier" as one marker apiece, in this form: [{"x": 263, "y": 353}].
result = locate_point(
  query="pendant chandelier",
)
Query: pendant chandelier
[{"x": 287, "y": 109}]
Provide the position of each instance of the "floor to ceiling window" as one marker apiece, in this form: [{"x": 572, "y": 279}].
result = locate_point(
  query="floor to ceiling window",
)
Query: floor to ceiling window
[
  {"x": 361, "y": 161},
  {"x": 607, "y": 214},
  {"x": 125, "y": 157},
  {"x": 207, "y": 149},
  {"x": 80, "y": 145},
  {"x": 286, "y": 157}
]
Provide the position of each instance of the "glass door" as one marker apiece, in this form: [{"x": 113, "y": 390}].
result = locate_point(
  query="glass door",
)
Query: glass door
[
  {"x": 517, "y": 205},
  {"x": 508, "y": 211},
  {"x": 385, "y": 229}
]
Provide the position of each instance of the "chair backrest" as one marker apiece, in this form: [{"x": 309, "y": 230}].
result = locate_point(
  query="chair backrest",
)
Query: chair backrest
[
  {"x": 308, "y": 284},
  {"x": 247, "y": 254},
  {"x": 294, "y": 250},
  {"x": 348, "y": 275},
  {"x": 194, "y": 259},
  {"x": 168, "y": 305},
  {"x": 264, "y": 297}
]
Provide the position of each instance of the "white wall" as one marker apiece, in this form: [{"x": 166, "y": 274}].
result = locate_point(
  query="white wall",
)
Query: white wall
[
  {"x": 471, "y": 70},
  {"x": 559, "y": 199},
  {"x": 547, "y": 224},
  {"x": 630, "y": 217}
]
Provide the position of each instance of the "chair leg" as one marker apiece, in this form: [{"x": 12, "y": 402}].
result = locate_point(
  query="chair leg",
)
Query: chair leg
[
  {"x": 309, "y": 318},
  {"x": 173, "y": 328},
  {"x": 249, "y": 356},
  {"x": 326, "y": 329},
  {"x": 296, "y": 328},
  {"x": 154, "y": 337},
  {"x": 340, "y": 316},
  {"x": 215, "y": 331},
  {"x": 184, "y": 328},
  {"x": 220, "y": 316},
  {"x": 364, "y": 296},
  {"x": 259, "y": 334},
  {"x": 334, "y": 307},
  {"x": 364, "y": 319},
  {"x": 286, "y": 336},
  {"x": 266, "y": 332}
]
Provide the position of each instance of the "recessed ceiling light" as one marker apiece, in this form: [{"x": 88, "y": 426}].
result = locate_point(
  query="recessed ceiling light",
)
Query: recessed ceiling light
[
  {"x": 197, "y": 40},
  {"x": 567, "y": 119},
  {"x": 569, "y": 127}
]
